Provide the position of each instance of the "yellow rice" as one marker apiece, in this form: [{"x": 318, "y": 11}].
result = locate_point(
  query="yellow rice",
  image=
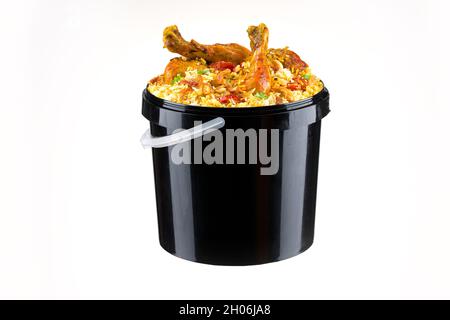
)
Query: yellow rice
[{"x": 208, "y": 93}]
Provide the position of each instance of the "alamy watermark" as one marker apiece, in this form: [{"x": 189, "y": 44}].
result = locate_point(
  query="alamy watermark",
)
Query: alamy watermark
[{"x": 236, "y": 146}]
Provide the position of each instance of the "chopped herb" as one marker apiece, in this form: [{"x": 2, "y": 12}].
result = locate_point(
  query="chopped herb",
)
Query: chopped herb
[
  {"x": 307, "y": 76},
  {"x": 261, "y": 95},
  {"x": 206, "y": 71},
  {"x": 177, "y": 78}
]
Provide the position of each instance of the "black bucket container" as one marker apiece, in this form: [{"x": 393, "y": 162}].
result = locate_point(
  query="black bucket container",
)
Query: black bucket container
[{"x": 235, "y": 213}]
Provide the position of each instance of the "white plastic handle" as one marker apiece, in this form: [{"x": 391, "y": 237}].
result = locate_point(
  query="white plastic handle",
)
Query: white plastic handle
[{"x": 148, "y": 141}]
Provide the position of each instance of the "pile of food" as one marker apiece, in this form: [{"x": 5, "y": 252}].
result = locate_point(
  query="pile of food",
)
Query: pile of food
[{"x": 230, "y": 75}]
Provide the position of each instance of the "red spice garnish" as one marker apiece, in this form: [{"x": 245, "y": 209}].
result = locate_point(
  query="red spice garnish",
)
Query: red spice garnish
[
  {"x": 222, "y": 65},
  {"x": 226, "y": 99},
  {"x": 299, "y": 84},
  {"x": 293, "y": 86},
  {"x": 190, "y": 83}
]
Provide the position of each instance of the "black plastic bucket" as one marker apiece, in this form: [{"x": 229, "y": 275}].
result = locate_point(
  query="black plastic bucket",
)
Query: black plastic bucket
[{"x": 232, "y": 214}]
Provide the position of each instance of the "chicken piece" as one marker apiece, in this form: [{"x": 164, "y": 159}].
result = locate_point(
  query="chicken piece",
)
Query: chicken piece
[
  {"x": 179, "y": 66},
  {"x": 157, "y": 79},
  {"x": 231, "y": 52},
  {"x": 259, "y": 72},
  {"x": 288, "y": 58}
]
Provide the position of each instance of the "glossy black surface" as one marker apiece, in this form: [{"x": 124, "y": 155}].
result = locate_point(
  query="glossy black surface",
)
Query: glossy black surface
[{"x": 231, "y": 214}]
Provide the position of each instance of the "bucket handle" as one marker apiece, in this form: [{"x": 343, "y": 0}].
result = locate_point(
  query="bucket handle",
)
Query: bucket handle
[{"x": 149, "y": 141}]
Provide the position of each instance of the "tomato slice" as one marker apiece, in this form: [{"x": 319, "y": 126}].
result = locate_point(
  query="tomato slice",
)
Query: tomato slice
[
  {"x": 226, "y": 99},
  {"x": 222, "y": 65}
]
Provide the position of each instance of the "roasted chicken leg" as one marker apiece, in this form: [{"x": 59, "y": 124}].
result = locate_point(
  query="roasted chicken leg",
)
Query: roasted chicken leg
[
  {"x": 288, "y": 58},
  {"x": 231, "y": 52},
  {"x": 259, "y": 76},
  {"x": 178, "y": 66}
]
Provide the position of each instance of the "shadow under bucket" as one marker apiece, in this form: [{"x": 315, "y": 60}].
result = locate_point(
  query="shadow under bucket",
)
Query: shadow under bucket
[{"x": 238, "y": 185}]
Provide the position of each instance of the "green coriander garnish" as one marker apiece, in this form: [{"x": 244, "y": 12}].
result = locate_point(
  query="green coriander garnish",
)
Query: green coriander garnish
[
  {"x": 261, "y": 95},
  {"x": 205, "y": 71},
  {"x": 307, "y": 76},
  {"x": 177, "y": 78}
]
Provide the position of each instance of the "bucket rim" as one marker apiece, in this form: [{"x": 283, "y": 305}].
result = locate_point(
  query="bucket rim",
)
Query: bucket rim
[{"x": 322, "y": 95}]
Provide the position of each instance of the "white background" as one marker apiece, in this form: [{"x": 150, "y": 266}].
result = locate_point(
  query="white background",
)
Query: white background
[{"x": 77, "y": 206}]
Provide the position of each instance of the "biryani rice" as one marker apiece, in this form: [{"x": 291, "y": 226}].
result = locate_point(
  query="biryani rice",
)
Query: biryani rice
[{"x": 206, "y": 86}]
